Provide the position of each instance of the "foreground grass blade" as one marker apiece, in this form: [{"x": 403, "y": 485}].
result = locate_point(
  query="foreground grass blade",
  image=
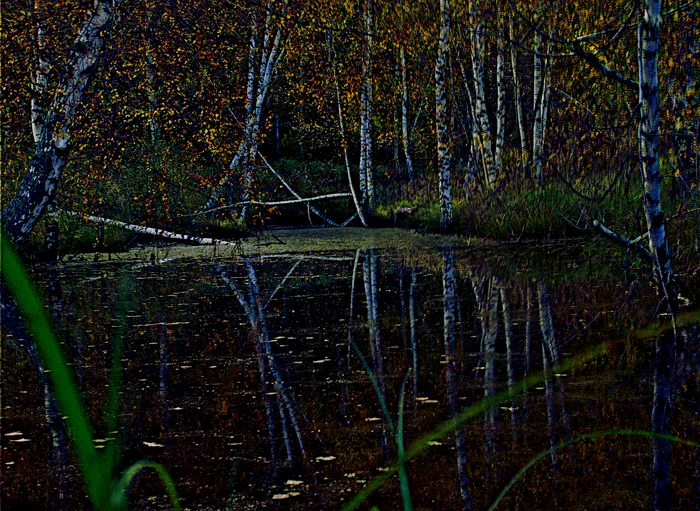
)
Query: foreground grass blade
[
  {"x": 474, "y": 410},
  {"x": 69, "y": 401},
  {"x": 581, "y": 438},
  {"x": 119, "y": 494},
  {"x": 403, "y": 475}
]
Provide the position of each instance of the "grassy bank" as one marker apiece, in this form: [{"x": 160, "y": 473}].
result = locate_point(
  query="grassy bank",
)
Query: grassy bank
[{"x": 153, "y": 191}]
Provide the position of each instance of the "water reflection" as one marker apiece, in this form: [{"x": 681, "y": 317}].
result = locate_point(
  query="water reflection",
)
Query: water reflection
[{"x": 241, "y": 376}]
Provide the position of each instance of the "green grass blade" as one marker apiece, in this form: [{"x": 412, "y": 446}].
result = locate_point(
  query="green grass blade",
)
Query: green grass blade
[
  {"x": 472, "y": 411},
  {"x": 119, "y": 493},
  {"x": 403, "y": 475},
  {"x": 61, "y": 379},
  {"x": 581, "y": 438}
]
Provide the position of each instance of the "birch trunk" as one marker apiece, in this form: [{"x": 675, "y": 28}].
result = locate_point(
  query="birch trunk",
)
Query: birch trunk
[
  {"x": 331, "y": 59},
  {"x": 649, "y": 147},
  {"x": 366, "y": 173},
  {"x": 39, "y": 186},
  {"x": 537, "y": 123},
  {"x": 518, "y": 101},
  {"x": 441, "y": 121},
  {"x": 404, "y": 116},
  {"x": 482, "y": 131},
  {"x": 40, "y": 81},
  {"x": 501, "y": 95},
  {"x": 542, "y": 71},
  {"x": 256, "y": 95}
]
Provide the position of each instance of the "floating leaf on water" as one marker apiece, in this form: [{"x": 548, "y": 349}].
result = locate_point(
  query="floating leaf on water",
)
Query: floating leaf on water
[
  {"x": 176, "y": 409},
  {"x": 509, "y": 408},
  {"x": 293, "y": 482},
  {"x": 480, "y": 368},
  {"x": 422, "y": 399},
  {"x": 322, "y": 361},
  {"x": 280, "y": 496},
  {"x": 14, "y": 433},
  {"x": 351, "y": 475},
  {"x": 539, "y": 388},
  {"x": 434, "y": 442},
  {"x": 21, "y": 440},
  {"x": 430, "y": 402},
  {"x": 325, "y": 458},
  {"x": 372, "y": 419},
  {"x": 560, "y": 374},
  {"x": 384, "y": 469},
  {"x": 10, "y": 463},
  {"x": 293, "y": 493},
  {"x": 152, "y": 444}
]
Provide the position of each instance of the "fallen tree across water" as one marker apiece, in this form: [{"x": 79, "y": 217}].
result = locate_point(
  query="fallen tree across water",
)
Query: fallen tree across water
[{"x": 151, "y": 231}]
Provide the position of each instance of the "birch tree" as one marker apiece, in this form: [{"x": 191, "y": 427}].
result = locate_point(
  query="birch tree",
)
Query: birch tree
[
  {"x": 441, "y": 119},
  {"x": 648, "y": 54},
  {"x": 41, "y": 180},
  {"x": 482, "y": 127},
  {"x": 265, "y": 50},
  {"x": 366, "y": 93}
]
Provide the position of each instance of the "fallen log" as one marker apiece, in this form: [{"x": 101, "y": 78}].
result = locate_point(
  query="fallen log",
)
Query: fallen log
[{"x": 150, "y": 231}]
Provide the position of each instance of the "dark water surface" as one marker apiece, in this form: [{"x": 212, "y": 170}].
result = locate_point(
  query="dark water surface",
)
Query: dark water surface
[{"x": 240, "y": 376}]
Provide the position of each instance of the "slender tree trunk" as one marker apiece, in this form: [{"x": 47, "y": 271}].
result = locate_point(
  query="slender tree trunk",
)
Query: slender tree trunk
[
  {"x": 518, "y": 100},
  {"x": 481, "y": 120},
  {"x": 443, "y": 138},
  {"x": 256, "y": 96},
  {"x": 501, "y": 94},
  {"x": 39, "y": 186},
  {"x": 331, "y": 60},
  {"x": 404, "y": 116},
  {"x": 40, "y": 80},
  {"x": 649, "y": 146},
  {"x": 366, "y": 172},
  {"x": 537, "y": 122}
]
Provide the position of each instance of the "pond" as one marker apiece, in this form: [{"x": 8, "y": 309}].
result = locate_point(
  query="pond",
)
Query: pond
[{"x": 258, "y": 381}]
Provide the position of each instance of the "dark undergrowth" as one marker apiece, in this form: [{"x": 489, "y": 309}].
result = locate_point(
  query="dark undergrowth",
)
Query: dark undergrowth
[{"x": 156, "y": 194}]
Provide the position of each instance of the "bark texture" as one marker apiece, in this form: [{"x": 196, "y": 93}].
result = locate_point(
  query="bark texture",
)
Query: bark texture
[
  {"x": 649, "y": 147},
  {"x": 39, "y": 185},
  {"x": 441, "y": 119}
]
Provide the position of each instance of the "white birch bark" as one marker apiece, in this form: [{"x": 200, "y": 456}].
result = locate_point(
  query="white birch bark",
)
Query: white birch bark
[
  {"x": 441, "y": 121},
  {"x": 264, "y": 70},
  {"x": 518, "y": 100},
  {"x": 404, "y": 115},
  {"x": 537, "y": 78},
  {"x": 39, "y": 185},
  {"x": 500, "y": 95},
  {"x": 542, "y": 78},
  {"x": 331, "y": 58},
  {"x": 649, "y": 42},
  {"x": 366, "y": 171},
  {"x": 151, "y": 231},
  {"x": 40, "y": 80},
  {"x": 482, "y": 125}
]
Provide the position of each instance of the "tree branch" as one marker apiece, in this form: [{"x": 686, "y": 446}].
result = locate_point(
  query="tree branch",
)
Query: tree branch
[{"x": 635, "y": 243}]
